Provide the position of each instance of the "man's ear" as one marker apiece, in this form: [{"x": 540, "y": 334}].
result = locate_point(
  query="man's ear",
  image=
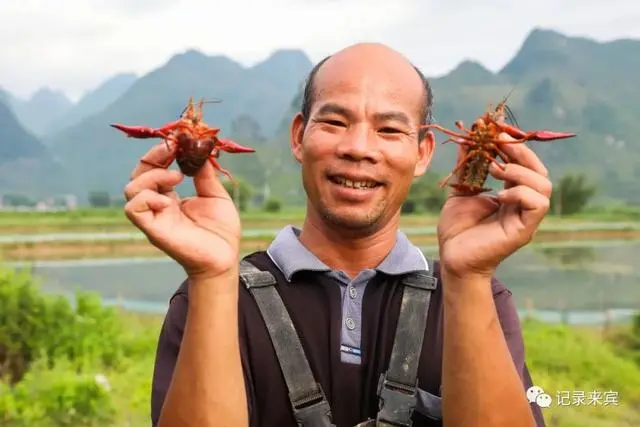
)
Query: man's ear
[
  {"x": 426, "y": 148},
  {"x": 297, "y": 132}
]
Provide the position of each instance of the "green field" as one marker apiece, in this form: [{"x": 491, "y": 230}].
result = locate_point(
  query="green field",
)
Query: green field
[
  {"x": 114, "y": 220},
  {"x": 62, "y": 390},
  {"x": 24, "y": 235}
]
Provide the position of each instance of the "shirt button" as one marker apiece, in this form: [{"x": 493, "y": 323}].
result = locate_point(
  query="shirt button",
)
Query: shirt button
[
  {"x": 352, "y": 292},
  {"x": 350, "y": 323}
]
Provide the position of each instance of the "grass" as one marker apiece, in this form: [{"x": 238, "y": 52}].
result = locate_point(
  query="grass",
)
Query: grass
[
  {"x": 114, "y": 220},
  {"x": 569, "y": 361},
  {"x": 560, "y": 358}
]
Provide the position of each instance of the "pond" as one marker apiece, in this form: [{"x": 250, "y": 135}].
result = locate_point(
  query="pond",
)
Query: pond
[{"x": 577, "y": 282}]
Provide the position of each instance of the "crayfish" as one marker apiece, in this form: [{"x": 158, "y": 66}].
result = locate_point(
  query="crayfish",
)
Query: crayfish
[
  {"x": 483, "y": 143},
  {"x": 194, "y": 142}
]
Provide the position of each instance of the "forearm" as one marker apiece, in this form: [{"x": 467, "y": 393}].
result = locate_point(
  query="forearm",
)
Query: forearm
[
  {"x": 480, "y": 385},
  {"x": 207, "y": 388}
]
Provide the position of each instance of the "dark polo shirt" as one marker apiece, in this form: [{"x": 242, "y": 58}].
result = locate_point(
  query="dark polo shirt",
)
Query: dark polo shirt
[{"x": 346, "y": 326}]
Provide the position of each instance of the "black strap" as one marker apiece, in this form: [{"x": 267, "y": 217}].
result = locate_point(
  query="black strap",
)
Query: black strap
[
  {"x": 398, "y": 387},
  {"x": 310, "y": 406}
]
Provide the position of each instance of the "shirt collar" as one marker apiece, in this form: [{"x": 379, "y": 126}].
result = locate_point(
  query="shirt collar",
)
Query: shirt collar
[{"x": 291, "y": 256}]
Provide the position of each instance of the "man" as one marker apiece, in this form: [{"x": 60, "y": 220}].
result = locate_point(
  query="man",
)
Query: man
[{"x": 359, "y": 144}]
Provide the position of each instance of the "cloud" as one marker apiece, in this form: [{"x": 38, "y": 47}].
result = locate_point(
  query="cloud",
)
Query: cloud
[{"x": 74, "y": 45}]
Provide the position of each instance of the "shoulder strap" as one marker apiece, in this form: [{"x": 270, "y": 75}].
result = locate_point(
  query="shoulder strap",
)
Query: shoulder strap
[
  {"x": 398, "y": 387},
  {"x": 310, "y": 406}
]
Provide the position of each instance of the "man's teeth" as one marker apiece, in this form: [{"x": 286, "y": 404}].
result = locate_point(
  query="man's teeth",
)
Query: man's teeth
[{"x": 355, "y": 184}]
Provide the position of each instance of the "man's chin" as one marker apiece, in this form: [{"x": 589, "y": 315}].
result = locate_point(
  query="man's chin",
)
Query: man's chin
[{"x": 356, "y": 220}]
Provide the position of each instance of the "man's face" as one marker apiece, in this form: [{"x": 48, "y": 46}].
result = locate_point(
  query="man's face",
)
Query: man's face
[{"x": 360, "y": 150}]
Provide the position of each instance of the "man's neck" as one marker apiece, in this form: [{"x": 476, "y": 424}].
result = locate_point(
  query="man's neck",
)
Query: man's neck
[{"x": 341, "y": 250}]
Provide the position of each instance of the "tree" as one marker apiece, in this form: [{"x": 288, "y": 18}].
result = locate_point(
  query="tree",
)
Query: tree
[
  {"x": 240, "y": 194},
  {"x": 571, "y": 194},
  {"x": 425, "y": 195},
  {"x": 99, "y": 199}
]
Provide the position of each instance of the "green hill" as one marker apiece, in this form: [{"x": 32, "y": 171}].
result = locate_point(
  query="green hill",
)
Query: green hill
[
  {"x": 100, "y": 158},
  {"x": 25, "y": 163},
  {"x": 561, "y": 83}
]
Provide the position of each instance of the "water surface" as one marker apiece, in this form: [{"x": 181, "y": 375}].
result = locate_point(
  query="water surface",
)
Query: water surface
[{"x": 585, "y": 278}]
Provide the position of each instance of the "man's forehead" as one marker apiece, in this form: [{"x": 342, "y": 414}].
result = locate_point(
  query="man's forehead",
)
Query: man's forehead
[
  {"x": 377, "y": 71},
  {"x": 367, "y": 91}
]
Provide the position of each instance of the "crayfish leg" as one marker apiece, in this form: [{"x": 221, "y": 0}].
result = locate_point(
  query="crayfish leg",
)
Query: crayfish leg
[
  {"x": 502, "y": 154},
  {"x": 460, "y": 164},
  {"x": 460, "y": 125},
  {"x": 216, "y": 165},
  {"x": 469, "y": 190},
  {"x": 444, "y": 130},
  {"x": 445, "y": 180},
  {"x": 493, "y": 160},
  {"x": 460, "y": 142}
]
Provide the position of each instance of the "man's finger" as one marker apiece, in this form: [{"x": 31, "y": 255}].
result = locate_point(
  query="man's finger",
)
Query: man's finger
[
  {"x": 207, "y": 183},
  {"x": 514, "y": 174},
  {"x": 533, "y": 205},
  {"x": 142, "y": 209},
  {"x": 521, "y": 154},
  {"x": 157, "y": 180},
  {"x": 159, "y": 155}
]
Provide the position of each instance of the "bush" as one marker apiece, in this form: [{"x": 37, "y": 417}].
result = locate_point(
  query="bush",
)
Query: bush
[
  {"x": 61, "y": 350},
  {"x": 57, "y": 397},
  {"x": 51, "y": 352},
  {"x": 273, "y": 205},
  {"x": 34, "y": 325}
]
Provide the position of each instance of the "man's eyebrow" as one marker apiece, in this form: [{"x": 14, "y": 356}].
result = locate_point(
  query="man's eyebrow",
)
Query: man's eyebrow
[
  {"x": 332, "y": 108},
  {"x": 398, "y": 116}
]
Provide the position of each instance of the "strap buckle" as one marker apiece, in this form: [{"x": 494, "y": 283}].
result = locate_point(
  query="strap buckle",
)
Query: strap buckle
[
  {"x": 313, "y": 410},
  {"x": 401, "y": 397}
]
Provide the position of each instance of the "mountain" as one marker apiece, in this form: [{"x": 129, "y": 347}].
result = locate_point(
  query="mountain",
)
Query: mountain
[
  {"x": 559, "y": 83},
  {"x": 252, "y": 99},
  {"x": 556, "y": 82},
  {"x": 93, "y": 102},
  {"x": 45, "y": 107},
  {"x": 25, "y": 163}
]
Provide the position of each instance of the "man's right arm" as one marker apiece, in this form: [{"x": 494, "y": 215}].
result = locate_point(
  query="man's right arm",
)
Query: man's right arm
[{"x": 201, "y": 371}]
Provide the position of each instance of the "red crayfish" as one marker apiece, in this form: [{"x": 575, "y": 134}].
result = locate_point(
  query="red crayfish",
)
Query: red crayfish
[
  {"x": 194, "y": 142},
  {"x": 483, "y": 144}
]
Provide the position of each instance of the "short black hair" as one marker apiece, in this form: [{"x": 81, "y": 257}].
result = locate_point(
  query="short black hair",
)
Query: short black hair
[{"x": 309, "y": 91}]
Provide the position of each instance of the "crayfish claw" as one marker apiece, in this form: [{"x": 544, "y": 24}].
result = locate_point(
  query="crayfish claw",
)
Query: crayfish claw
[
  {"x": 546, "y": 135},
  {"x": 232, "y": 147},
  {"x": 140, "y": 132}
]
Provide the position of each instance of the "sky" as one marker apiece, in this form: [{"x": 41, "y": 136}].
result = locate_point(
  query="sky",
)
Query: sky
[{"x": 74, "y": 45}]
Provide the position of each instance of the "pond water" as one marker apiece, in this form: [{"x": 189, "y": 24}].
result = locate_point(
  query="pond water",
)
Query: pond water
[{"x": 577, "y": 282}]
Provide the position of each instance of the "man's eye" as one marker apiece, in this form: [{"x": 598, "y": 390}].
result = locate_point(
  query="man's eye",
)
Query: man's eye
[
  {"x": 334, "y": 122},
  {"x": 389, "y": 130}
]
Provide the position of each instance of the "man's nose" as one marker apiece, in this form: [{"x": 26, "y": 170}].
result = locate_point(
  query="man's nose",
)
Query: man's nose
[{"x": 359, "y": 144}]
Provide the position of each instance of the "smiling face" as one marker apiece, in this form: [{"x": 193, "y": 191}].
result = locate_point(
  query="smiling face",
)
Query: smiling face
[{"x": 360, "y": 150}]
